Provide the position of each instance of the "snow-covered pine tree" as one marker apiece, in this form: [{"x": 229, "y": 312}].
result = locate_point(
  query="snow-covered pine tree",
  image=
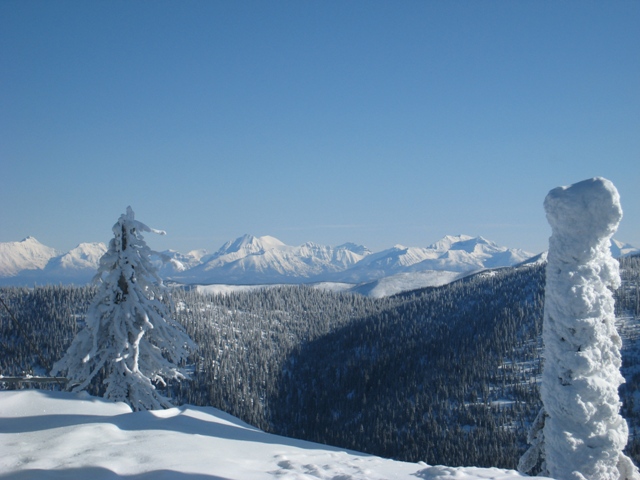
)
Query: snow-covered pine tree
[
  {"x": 130, "y": 340},
  {"x": 583, "y": 433}
]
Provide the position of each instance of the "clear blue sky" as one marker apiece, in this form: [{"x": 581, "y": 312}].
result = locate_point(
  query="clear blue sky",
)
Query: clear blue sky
[{"x": 376, "y": 122}]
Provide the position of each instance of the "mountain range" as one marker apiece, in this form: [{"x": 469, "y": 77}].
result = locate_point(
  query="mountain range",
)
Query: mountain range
[
  {"x": 264, "y": 260},
  {"x": 250, "y": 260},
  {"x": 29, "y": 262}
]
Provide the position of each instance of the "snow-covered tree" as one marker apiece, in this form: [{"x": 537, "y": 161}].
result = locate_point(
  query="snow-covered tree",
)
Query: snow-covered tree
[
  {"x": 583, "y": 433},
  {"x": 130, "y": 341}
]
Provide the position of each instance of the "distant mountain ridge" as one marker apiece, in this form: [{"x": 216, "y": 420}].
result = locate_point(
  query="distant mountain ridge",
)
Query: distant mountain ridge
[
  {"x": 29, "y": 261},
  {"x": 453, "y": 253},
  {"x": 251, "y": 260}
]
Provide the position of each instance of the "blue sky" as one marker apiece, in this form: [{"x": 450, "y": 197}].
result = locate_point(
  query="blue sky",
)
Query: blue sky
[{"x": 379, "y": 123}]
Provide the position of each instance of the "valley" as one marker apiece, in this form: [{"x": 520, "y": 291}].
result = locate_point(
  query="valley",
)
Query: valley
[{"x": 447, "y": 375}]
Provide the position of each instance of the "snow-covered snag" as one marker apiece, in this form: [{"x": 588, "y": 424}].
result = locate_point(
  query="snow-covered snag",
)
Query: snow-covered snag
[{"x": 584, "y": 433}]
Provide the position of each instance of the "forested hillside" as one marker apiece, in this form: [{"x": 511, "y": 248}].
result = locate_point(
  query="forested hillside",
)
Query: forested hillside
[
  {"x": 446, "y": 375},
  {"x": 245, "y": 340},
  {"x": 628, "y": 314}
]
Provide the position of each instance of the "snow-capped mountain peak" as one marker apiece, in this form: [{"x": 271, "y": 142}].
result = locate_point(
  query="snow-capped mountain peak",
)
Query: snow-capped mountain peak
[
  {"x": 85, "y": 255},
  {"x": 620, "y": 249},
  {"x": 170, "y": 262},
  {"x": 357, "y": 249},
  {"x": 252, "y": 260},
  {"x": 453, "y": 253},
  {"x": 198, "y": 254},
  {"x": 446, "y": 242},
  {"x": 249, "y": 244},
  {"x": 28, "y": 254}
]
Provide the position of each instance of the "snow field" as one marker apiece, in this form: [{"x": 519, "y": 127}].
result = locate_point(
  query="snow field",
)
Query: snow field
[{"x": 54, "y": 435}]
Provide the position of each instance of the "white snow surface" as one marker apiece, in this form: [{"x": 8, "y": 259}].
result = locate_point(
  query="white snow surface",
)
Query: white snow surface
[
  {"x": 220, "y": 289},
  {"x": 384, "y": 287},
  {"x": 584, "y": 433},
  {"x": 54, "y": 436},
  {"x": 404, "y": 282}
]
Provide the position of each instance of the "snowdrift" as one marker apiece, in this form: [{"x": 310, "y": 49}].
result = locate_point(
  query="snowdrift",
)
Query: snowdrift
[{"x": 53, "y": 435}]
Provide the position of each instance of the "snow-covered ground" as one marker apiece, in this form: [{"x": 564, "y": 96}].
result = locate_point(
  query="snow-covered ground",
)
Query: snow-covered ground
[
  {"x": 53, "y": 435},
  {"x": 404, "y": 282},
  {"x": 227, "y": 289},
  {"x": 385, "y": 287}
]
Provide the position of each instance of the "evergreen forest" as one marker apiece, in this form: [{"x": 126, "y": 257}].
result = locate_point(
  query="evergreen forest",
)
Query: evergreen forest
[{"x": 446, "y": 375}]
